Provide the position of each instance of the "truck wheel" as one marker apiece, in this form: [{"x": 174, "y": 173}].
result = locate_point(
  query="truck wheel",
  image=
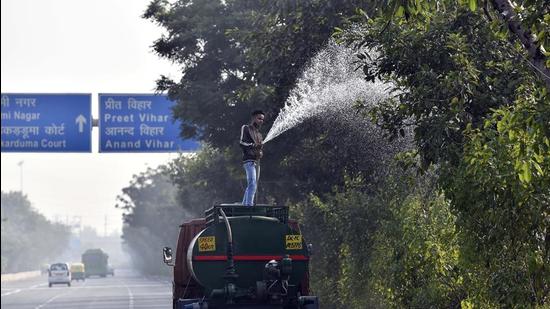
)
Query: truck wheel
[
  {"x": 49, "y": 285},
  {"x": 68, "y": 284}
]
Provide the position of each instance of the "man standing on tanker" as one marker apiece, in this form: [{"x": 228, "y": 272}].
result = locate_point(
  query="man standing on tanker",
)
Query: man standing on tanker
[{"x": 251, "y": 144}]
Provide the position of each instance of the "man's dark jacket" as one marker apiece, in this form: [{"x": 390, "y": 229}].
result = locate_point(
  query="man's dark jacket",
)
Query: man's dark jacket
[{"x": 250, "y": 135}]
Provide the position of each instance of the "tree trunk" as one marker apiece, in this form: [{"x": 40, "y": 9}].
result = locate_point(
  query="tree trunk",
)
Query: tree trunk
[{"x": 527, "y": 39}]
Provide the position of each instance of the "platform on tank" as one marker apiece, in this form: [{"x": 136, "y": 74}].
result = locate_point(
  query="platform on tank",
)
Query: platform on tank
[{"x": 280, "y": 213}]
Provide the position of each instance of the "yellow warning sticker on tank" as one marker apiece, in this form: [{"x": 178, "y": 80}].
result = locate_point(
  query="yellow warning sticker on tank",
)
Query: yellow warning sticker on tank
[
  {"x": 207, "y": 243},
  {"x": 293, "y": 242}
]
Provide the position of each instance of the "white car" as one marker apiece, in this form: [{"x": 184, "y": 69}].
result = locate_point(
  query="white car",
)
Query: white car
[{"x": 59, "y": 273}]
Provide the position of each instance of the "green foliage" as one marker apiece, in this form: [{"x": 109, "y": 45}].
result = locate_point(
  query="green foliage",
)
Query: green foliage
[
  {"x": 241, "y": 55},
  {"x": 394, "y": 247},
  {"x": 212, "y": 176},
  {"x": 151, "y": 219},
  {"x": 533, "y": 15},
  {"x": 504, "y": 179},
  {"x": 158, "y": 200},
  {"x": 341, "y": 260},
  {"x": 480, "y": 123},
  {"x": 482, "y": 119},
  {"x": 416, "y": 255},
  {"x": 442, "y": 81},
  {"x": 237, "y": 56},
  {"x": 28, "y": 238}
]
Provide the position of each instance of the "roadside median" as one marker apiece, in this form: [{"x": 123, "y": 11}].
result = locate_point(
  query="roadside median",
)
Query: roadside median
[{"x": 20, "y": 276}]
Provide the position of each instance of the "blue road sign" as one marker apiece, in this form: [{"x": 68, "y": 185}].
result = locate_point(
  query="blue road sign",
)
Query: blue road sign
[
  {"x": 139, "y": 123},
  {"x": 46, "y": 122}
]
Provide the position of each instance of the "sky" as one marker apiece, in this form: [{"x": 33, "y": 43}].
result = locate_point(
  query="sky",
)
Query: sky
[{"x": 76, "y": 46}]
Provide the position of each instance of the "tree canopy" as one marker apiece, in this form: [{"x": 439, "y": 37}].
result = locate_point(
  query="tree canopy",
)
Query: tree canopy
[
  {"x": 480, "y": 113},
  {"x": 459, "y": 219},
  {"x": 28, "y": 238}
]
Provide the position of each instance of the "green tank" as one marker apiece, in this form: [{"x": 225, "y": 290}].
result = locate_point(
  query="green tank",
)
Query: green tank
[{"x": 257, "y": 240}]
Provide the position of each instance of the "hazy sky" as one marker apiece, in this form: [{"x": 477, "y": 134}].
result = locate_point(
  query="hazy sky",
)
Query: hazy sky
[{"x": 76, "y": 46}]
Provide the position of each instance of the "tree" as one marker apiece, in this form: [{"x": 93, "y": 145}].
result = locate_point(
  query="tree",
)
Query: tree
[
  {"x": 208, "y": 178},
  {"x": 482, "y": 119},
  {"x": 151, "y": 219},
  {"x": 524, "y": 21},
  {"x": 442, "y": 81},
  {"x": 501, "y": 191},
  {"x": 386, "y": 245},
  {"x": 28, "y": 238},
  {"x": 240, "y": 55},
  {"x": 452, "y": 68},
  {"x": 415, "y": 258}
]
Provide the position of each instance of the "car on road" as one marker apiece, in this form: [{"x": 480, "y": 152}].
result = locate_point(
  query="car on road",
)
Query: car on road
[{"x": 59, "y": 273}]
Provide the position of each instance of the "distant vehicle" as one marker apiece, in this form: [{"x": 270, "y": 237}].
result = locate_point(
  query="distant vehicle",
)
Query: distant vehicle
[
  {"x": 111, "y": 270},
  {"x": 59, "y": 273},
  {"x": 44, "y": 268},
  {"x": 96, "y": 262},
  {"x": 78, "y": 271}
]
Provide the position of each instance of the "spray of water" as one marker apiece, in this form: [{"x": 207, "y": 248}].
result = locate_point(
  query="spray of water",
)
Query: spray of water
[{"x": 328, "y": 88}]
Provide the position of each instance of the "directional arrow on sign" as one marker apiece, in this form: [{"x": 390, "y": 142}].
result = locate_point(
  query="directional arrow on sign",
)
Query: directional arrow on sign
[{"x": 81, "y": 120}]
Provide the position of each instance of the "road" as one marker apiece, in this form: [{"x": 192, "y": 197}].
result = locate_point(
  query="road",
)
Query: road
[{"x": 125, "y": 290}]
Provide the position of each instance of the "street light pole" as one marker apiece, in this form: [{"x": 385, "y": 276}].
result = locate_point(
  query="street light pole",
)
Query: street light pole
[{"x": 21, "y": 175}]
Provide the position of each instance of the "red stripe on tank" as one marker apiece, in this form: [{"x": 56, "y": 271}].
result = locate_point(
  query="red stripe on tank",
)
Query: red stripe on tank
[{"x": 296, "y": 257}]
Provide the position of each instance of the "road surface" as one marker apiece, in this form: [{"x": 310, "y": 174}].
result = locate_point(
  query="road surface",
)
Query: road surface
[{"x": 126, "y": 290}]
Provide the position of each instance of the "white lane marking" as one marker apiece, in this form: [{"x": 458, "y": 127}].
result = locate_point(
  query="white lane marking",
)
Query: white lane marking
[
  {"x": 37, "y": 285},
  {"x": 11, "y": 292},
  {"x": 130, "y": 296},
  {"x": 50, "y": 300},
  {"x": 110, "y": 286},
  {"x": 153, "y": 294}
]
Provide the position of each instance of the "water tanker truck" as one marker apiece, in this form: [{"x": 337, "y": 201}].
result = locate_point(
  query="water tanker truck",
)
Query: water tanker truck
[{"x": 241, "y": 257}]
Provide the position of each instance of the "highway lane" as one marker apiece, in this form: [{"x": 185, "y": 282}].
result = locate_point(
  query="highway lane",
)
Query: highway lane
[{"x": 126, "y": 290}]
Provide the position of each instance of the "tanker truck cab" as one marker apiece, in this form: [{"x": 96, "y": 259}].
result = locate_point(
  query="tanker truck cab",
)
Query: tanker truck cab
[
  {"x": 59, "y": 273},
  {"x": 241, "y": 257}
]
